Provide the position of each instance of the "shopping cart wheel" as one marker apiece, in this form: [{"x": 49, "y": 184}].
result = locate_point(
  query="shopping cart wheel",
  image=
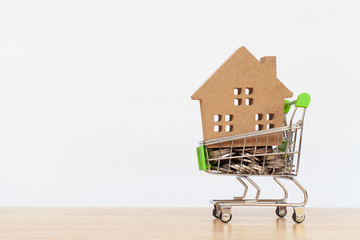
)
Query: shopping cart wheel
[
  {"x": 226, "y": 218},
  {"x": 215, "y": 213},
  {"x": 298, "y": 218},
  {"x": 281, "y": 211}
]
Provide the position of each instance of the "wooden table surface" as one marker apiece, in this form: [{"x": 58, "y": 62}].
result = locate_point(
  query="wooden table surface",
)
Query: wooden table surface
[{"x": 174, "y": 223}]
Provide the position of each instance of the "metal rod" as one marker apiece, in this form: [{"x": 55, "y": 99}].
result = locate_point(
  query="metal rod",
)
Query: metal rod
[
  {"x": 301, "y": 133},
  {"x": 283, "y": 187},
  {"x": 251, "y": 155},
  {"x": 257, "y": 189},
  {"x": 245, "y": 186},
  {"x": 252, "y": 134}
]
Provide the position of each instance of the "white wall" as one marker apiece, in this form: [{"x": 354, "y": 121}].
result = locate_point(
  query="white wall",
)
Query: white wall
[{"x": 95, "y": 105}]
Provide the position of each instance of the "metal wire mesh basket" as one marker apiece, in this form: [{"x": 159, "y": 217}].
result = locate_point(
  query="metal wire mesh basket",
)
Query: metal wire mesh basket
[{"x": 221, "y": 157}]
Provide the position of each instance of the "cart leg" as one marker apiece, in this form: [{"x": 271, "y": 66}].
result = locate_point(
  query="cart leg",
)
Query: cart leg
[
  {"x": 245, "y": 190},
  {"x": 225, "y": 214},
  {"x": 284, "y": 189},
  {"x": 257, "y": 190},
  {"x": 299, "y": 214},
  {"x": 302, "y": 189}
]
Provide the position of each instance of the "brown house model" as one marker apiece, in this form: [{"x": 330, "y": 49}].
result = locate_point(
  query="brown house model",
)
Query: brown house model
[{"x": 243, "y": 95}]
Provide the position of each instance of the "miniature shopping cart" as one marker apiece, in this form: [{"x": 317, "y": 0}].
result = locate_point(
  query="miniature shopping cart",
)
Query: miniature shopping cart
[{"x": 280, "y": 161}]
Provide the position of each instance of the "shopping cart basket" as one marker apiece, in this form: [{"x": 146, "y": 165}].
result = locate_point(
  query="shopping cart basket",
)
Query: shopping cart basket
[{"x": 280, "y": 161}]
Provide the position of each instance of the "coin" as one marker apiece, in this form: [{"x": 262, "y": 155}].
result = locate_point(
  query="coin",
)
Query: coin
[{"x": 249, "y": 161}]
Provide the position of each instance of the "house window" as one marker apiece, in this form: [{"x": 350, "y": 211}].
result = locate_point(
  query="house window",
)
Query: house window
[
  {"x": 227, "y": 125},
  {"x": 237, "y": 101},
  {"x": 249, "y": 101},
  {"x": 248, "y": 91},
  {"x": 258, "y": 116},
  {"x": 264, "y": 120},
  {"x": 269, "y": 116},
  {"x": 217, "y": 118},
  {"x": 237, "y": 91},
  {"x": 228, "y": 128},
  {"x": 217, "y": 128},
  {"x": 228, "y": 117}
]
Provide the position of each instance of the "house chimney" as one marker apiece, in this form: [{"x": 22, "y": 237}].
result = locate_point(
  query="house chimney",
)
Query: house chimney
[{"x": 270, "y": 63}]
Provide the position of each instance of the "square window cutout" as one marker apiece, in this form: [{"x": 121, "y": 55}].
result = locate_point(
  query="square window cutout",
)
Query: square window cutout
[
  {"x": 237, "y": 101},
  {"x": 237, "y": 91},
  {"x": 258, "y": 127},
  {"x": 217, "y": 128},
  {"x": 258, "y": 117},
  {"x": 249, "y": 101},
  {"x": 217, "y": 118},
  {"x": 228, "y": 128},
  {"x": 228, "y": 117},
  {"x": 269, "y": 116},
  {"x": 248, "y": 91}
]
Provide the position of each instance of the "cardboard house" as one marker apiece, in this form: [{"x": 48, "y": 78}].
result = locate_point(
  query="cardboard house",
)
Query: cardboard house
[{"x": 243, "y": 95}]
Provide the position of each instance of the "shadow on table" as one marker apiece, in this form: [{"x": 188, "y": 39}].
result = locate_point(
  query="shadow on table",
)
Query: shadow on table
[{"x": 281, "y": 229}]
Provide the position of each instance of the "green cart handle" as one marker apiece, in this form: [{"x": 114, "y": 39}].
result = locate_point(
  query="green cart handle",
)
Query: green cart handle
[{"x": 302, "y": 101}]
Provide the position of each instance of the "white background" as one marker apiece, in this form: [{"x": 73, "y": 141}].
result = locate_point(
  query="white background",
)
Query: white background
[{"x": 95, "y": 105}]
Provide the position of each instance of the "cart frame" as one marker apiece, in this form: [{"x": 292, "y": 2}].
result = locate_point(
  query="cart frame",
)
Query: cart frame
[{"x": 285, "y": 159}]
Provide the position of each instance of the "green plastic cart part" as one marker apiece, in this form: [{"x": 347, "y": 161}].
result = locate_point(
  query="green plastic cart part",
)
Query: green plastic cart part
[
  {"x": 287, "y": 106},
  {"x": 283, "y": 146},
  {"x": 303, "y": 101},
  {"x": 202, "y": 157}
]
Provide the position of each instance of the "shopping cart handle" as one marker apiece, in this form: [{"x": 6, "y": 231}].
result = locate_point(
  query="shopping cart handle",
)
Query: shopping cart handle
[{"x": 303, "y": 101}]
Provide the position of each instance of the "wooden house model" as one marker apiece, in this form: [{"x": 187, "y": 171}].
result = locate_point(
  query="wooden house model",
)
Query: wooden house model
[{"x": 243, "y": 95}]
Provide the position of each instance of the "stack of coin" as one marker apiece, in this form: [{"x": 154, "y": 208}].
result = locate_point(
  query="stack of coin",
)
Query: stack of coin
[{"x": 249, "y": 161}]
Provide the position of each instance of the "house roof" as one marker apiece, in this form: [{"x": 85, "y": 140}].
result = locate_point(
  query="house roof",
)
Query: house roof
[{"x": 243, "y": 57}]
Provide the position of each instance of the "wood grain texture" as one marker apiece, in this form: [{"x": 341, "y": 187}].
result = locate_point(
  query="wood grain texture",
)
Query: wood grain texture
[{"x": 174, "y": 223}]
